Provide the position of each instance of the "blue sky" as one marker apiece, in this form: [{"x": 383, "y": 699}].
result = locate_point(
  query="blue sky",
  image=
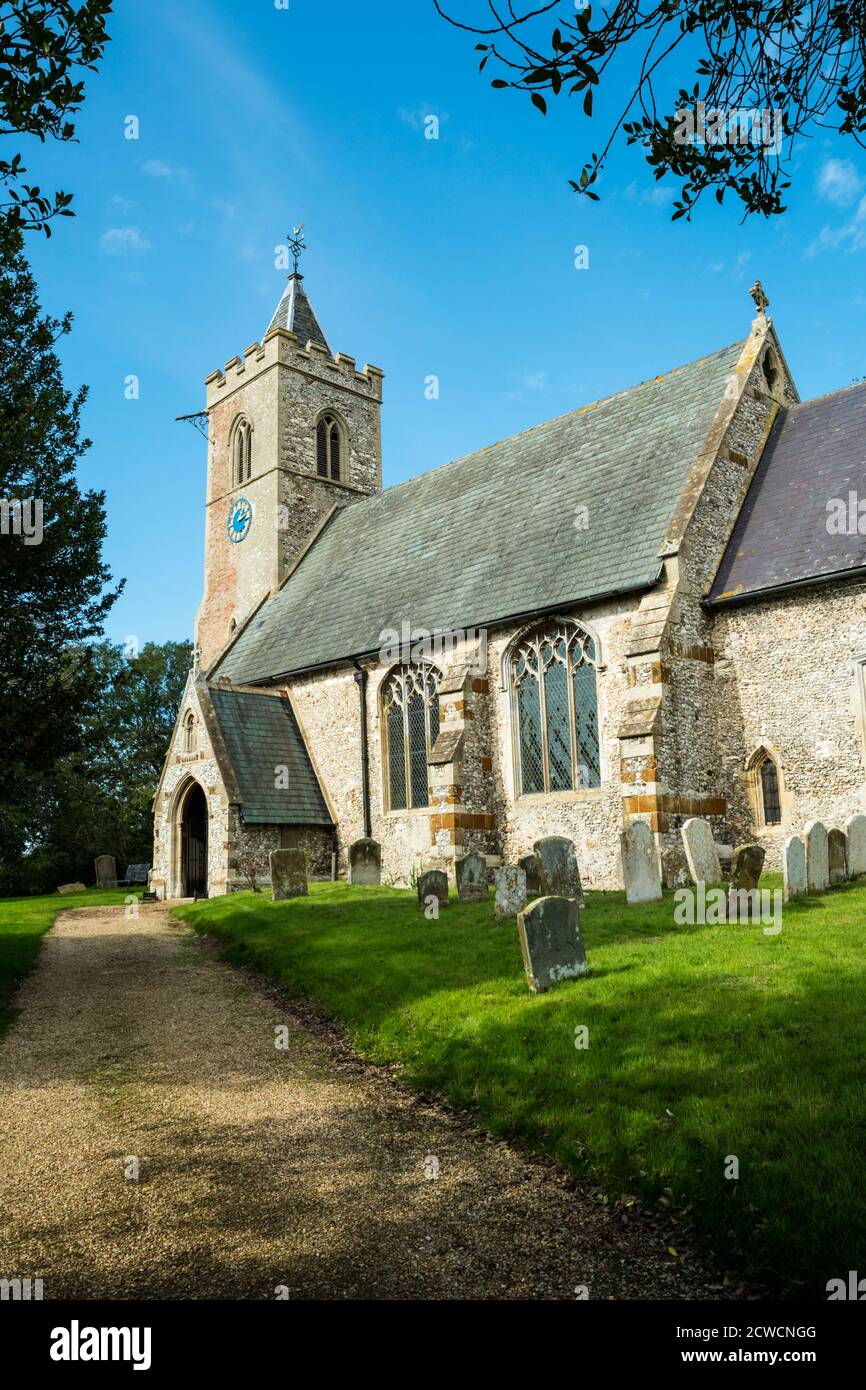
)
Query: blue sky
[{"x": 452, "y": 257}]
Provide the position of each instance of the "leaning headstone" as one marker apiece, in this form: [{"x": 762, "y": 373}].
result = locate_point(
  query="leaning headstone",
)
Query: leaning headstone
[
  {"x": 746, "y": 868},
  {"x": 837, "y": 856},
  {"x": 471, "y": 875},
  {"x": 640, "y": 863},
  {"x": 433, "y": 883},
  {"x": 510, "y": 894},
  {"x": 817, "y": 859},
  {"x": 701, "y": 854},
  {"x": 365, "y": 862},
  {"x": 743, "y": 900},
  {"x": 531, "y": 867},
  {"x": 794, "y": 867},
  {"x": 288, "y": 874},
  {"x": 72, "y": 888},
  {"x": 855, "y": 829},
  {"x": 106, "y": 871},
  {"x": 557, "y": 868},
  {"x": 549, "y": 932}
]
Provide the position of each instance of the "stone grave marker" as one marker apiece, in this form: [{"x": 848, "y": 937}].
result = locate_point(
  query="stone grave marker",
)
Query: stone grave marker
[
  {"x": 640, "y": 863},
  {"x": 72, "y": 888},
  {"x": 365, "y": 862},
  {"x": 855, "y": 829},
  {"x": 471, "y": 875},
  {"x": 510, "y": 895},
  {"x": 837, "y": 856},
  {"x": 817, "y": 857},
  {"x": 794, "y": 867},
  {"x": 701, "y": 854},
  {"x": 531, "y": 867},
  {"x": 549, "y": 932},
  {"x": 432, "y": 883},
  {"x": 288, "y": 874},
  {"x": 106, "y": 871},
  {"x": 747, "y": 866},
  {"x": 557, "y": 867}
]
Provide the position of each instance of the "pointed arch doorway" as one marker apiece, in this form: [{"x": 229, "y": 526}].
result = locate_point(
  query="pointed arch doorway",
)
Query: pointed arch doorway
[{"x": 193, "y": 843}]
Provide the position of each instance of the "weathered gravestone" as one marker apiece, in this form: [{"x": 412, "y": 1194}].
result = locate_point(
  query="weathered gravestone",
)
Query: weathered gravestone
[
  {"x": 855, "y": 829},
  {"x": 746, "y": 865},
  {"x": 701, "y": 854},
  {"x": 433, "y": 883},
  {"x": 288, "y": 874},
  {"x": 72, "y": 888},
  {"x": 794, "y": 867},
  {"x": 510, "y": 894},
  {"x": 365, "y": 862},
  {"x": 557, "y": 868},
  {"x": 531, "y": 867},
  {"x": 471, "y": 875},
  {"x": 550, "y": 941},
  {"x": 837, "y": 856},
  {"x": 106, "y": 871},
  {"x": 817, "y": 859},
  {"x": 640, "y": 863}
]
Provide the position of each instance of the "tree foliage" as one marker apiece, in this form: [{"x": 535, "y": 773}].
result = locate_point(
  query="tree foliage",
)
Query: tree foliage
[
  {"x": 804, "y": 61},
  {"x": 54, "y": 587},
  {"x": 43, "y": 46}
]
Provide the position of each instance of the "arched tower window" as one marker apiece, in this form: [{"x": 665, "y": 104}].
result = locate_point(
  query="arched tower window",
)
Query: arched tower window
[
  {"x": 242, "y": 453},
  {"x": 555, "y": 704},
  {"x": 189, "y": 733},
  {"x": 330, "y": 448},
  {"x": 410, "y": 724}
]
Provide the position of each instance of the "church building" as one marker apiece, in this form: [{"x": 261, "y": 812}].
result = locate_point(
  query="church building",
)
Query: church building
[{"x": 650, "y": 608}]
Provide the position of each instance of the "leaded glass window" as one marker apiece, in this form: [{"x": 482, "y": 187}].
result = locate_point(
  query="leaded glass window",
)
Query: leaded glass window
[
  {"x": 770, "y": 792},
  {"x": 411, "y": 724},
  {"x": 553, "y": 674}
]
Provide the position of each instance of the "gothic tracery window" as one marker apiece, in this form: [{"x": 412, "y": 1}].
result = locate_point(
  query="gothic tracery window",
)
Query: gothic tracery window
[
  {"x": 553, "y": 681},
  {"x": 768, "y": 782},
  {"x": 410, "y": 708},
  {"x": 242, "y": 452},
  {"x": 329, "y": 448}
]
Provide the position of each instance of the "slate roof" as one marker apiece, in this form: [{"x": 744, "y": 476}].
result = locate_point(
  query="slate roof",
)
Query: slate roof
[
  {"x": 492, "y": 535},
  {"x": 295, "y": 312},
  {"x": 260, "y": 734},
  {"x": 816, "y": 452}
]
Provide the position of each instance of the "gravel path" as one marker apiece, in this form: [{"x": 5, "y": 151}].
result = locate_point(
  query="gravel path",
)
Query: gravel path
[{"x": 260, "y": 1167}]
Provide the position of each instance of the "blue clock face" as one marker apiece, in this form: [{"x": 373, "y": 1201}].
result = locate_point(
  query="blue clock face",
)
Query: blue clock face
[{"x": 240, "y": 519}]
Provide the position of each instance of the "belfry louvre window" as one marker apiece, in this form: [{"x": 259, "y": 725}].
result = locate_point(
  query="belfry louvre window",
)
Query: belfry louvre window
[
  {"x": 553, "y": 681},
  {"x": 410, "y": 707},
  {"x": 329, "y": 448},
  {"x": 243, "y": 453},
  {"x": 770, "y": 803}
]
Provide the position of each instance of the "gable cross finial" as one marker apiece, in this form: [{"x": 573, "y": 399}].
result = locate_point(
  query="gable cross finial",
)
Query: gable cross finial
[
  {"x": 762, "y": 303},
  {"x": 297, "y": 244}
]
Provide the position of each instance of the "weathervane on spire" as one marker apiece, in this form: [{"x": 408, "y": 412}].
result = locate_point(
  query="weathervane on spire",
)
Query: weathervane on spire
[{"x": 297, "y": 244}]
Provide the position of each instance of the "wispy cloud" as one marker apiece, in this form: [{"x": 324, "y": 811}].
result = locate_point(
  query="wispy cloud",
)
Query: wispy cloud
[
  {"x": 158, "y": 169},
  {"x": 535, "y": 381},
  {"x": 839, "y": 182},
  {"x": 416, "y": 116},
  {"x": 123, "y": 241},
  {"x": 850, "y": 236}
]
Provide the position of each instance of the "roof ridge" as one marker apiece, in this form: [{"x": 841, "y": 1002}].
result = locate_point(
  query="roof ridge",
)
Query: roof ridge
[
  {"x": 554, "y": 420},
  {"x": 816, "y": 400}
]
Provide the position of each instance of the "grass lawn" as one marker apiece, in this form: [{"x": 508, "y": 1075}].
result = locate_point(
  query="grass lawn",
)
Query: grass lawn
[
  {"x": 23, "y": 923},
  {"x": 704, "y": 1042}
]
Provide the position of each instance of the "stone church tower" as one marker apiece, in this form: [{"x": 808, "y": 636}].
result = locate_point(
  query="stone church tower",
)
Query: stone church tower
[{"x": 294, "y": 433}]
